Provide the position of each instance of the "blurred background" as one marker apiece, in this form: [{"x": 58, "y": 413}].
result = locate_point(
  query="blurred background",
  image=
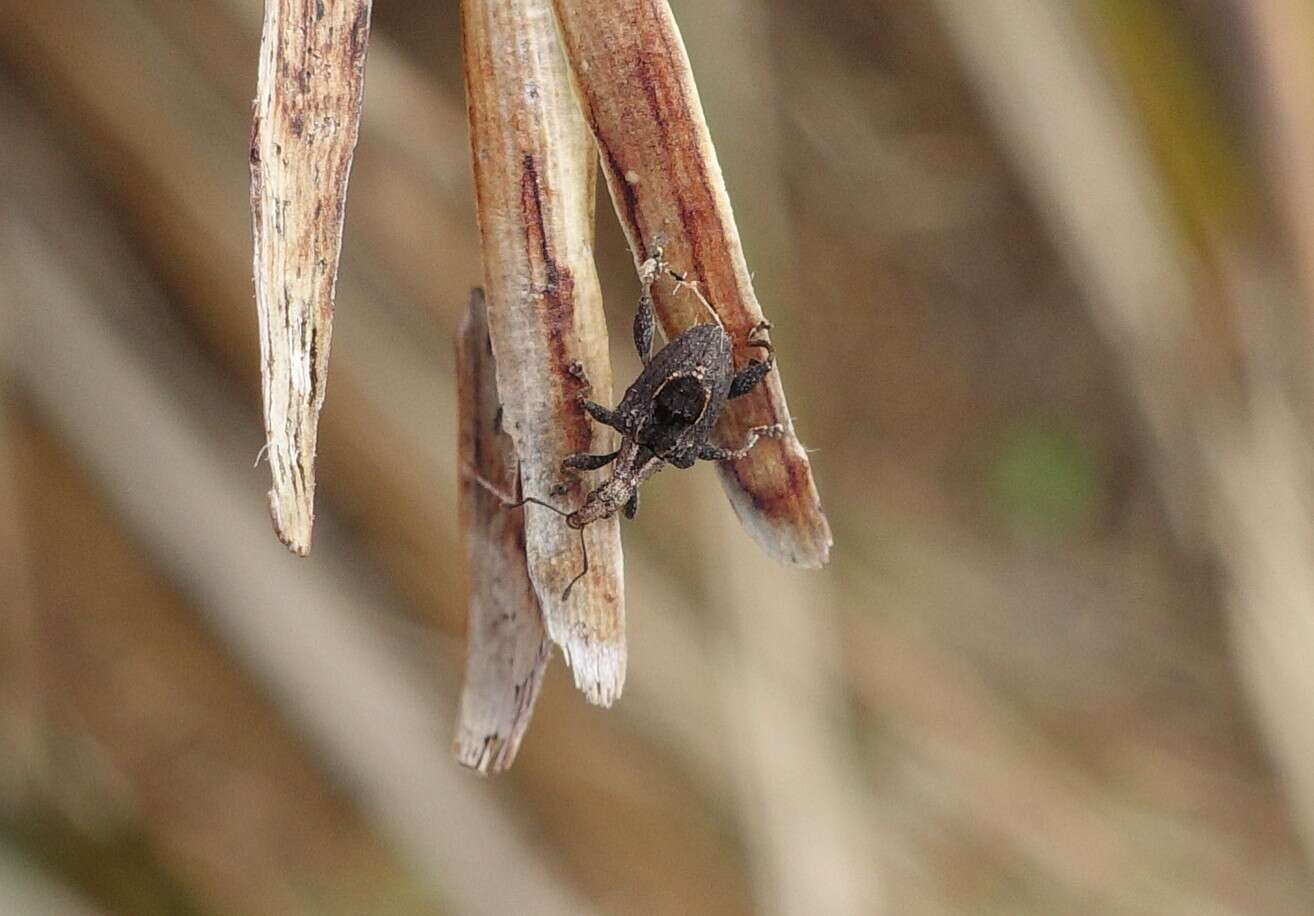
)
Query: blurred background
[{"x": 1041, "y": 276}]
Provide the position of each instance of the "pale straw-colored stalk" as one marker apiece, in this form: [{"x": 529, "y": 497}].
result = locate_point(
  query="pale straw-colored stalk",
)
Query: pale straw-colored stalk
[
  {"x": 307, "y": 117},
  {"x": 534, "y": 168}
]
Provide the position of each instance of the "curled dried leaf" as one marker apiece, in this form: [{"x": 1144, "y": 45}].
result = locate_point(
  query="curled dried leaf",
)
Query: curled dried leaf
[{"x": 508, "y": 648}]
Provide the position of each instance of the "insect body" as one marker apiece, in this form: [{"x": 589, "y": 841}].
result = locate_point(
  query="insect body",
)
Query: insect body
[{"x": 668, "y": 414}]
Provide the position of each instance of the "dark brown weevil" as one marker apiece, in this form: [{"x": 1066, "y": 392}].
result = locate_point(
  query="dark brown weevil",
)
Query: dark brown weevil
[{"x": 667, "y": 415}]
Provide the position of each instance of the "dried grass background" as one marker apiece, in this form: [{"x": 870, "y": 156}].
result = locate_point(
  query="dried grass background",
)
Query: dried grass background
[{"x": 1041, "y": 282}]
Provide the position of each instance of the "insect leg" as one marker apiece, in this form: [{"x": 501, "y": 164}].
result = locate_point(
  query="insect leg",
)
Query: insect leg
[
  {"x": 602, "y": 414},
  {"x": 596, "y": 410},
  {"x": 644, "y": 322},
  {"x": 715, "y": 453},
  {"x": 583, "y": 461},
  {"x": 747, "y": 378},
  {"x": 643, "y": 327},
  {"x": 756, "y": 370}
]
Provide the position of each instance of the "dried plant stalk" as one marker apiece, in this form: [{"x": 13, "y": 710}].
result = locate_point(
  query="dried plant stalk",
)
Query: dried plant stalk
[
  {"x": 637, "y": 91},
  {"x": 533, "y": 172},
  {"x": 311, "y": 83},
  {"x": 1282, "y": 34},
  {"x": 508, "y": 647}
]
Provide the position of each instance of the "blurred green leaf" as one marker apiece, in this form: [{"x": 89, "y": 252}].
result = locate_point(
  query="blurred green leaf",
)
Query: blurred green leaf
[{"x": 1041, "y": 480}]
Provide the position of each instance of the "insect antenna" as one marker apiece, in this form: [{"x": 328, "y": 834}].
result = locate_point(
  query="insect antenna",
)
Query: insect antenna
[
  {"x": 584, "y": 549},
  {"x": 517, "y": 503}
]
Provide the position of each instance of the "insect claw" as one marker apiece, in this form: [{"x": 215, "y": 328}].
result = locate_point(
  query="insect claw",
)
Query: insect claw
[
  {"x": 654, "y": 265},
  {"x": 755, "y": 341},
  {"x": 576, "y": 370}
]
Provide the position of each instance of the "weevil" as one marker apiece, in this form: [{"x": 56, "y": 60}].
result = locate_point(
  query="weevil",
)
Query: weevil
[{"x": 667, "y": 415}]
